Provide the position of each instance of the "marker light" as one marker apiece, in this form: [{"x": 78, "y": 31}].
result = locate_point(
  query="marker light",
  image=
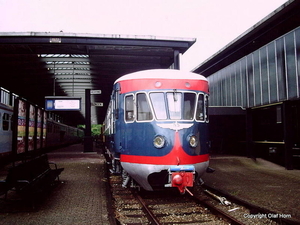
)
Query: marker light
[{"x": 159, "y": 141}]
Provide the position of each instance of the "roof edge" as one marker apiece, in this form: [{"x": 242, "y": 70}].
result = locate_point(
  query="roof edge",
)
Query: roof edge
[{"x": 94, "y": 35}]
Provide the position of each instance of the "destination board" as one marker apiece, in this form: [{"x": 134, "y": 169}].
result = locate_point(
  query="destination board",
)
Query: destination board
[{"x": 53, "y": 103}]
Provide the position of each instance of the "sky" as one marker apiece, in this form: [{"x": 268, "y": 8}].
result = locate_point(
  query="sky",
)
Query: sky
[{"x": 214, "y": 23}]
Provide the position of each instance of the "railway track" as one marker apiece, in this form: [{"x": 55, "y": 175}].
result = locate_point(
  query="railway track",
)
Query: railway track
[
  {"x": 169, "y": 207},
  {"x": 173, "y": 208}
]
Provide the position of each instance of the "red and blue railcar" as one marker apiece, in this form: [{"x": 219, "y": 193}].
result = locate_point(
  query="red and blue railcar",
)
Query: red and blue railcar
[{"x": 156, "y": 128}]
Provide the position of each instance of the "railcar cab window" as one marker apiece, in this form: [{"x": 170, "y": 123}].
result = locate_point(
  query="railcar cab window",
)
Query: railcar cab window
[
  {"x": 143, "y": 108},
  {"x": 174, "y": 102},
  {"x": 159, "y": 105},
  {"x": 181, "y": 105},
  {"x": 189, "y": 106},
  {"x": 173, "y": 105},
  {"x": 202, "y": 108},
  {"x": 206, "y": 108}
]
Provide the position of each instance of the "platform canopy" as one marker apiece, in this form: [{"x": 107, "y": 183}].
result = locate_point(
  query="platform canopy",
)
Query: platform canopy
[{"x": 35, "y": 65}]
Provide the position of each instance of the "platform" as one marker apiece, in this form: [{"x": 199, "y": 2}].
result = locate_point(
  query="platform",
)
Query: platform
[
  {"x": 80, "y": 198},
  {"x": 259, "y": 182}
]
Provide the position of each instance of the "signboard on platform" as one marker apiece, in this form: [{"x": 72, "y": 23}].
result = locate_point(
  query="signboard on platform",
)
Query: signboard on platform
[
  {"x": 97, "y": 104},
  {"x": 61, "y": 103},
  {"x": 95, "y": 92}
]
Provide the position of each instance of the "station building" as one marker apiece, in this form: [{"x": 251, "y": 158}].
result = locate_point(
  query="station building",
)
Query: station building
[{"x": 255, "y": 90}]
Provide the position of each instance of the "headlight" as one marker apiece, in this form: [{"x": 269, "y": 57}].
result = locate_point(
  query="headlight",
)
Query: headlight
[
  {"x": 193, "y": 141},
  {"x": 159, "y": 141}
]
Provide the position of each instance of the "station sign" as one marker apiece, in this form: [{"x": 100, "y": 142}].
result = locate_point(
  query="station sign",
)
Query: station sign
[
  {"x": 97, "y": 104},
  {"x": 95, "y": 92},
  {"x": 62, "y": 103},
  {"x": 55, "y": 40}
]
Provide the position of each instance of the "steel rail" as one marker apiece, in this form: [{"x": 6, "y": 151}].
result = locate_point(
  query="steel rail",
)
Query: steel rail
[
  {"x": 250, "y": 206},
  {"x": 152, "y": 218},
  {"x": 217, "y": 211}
]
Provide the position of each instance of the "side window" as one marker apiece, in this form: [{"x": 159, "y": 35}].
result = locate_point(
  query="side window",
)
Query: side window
[
  {"x": 143, "y": 108},
  {"x": 5, "y": 121},
  {"x": 129, "y": 108},
  {"x": 206, "y": 108},
  {"x": 200, "y": 108}
]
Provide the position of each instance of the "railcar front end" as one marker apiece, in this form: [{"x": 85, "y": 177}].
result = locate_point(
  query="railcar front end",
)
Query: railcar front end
[{"x": 159, "y": 124}]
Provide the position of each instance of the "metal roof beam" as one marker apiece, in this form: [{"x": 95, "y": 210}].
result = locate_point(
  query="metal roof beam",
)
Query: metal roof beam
[
  {"x": 75, "y": 66},
  {"x": 65, "y": 59}
]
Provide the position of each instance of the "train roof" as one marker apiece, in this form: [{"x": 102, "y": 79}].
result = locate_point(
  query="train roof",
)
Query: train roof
[{"x": 162, "y": 74}]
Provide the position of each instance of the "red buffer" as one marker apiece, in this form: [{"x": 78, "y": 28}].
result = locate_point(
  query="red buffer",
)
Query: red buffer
[{"x": 181, "y": 180}]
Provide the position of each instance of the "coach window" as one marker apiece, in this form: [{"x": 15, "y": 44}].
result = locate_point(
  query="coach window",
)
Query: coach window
[
  {"x": 189, "y": 106},
  {"x": 143, "y": 108},
  {"x": 5, "y": 120},
  {"x": 159, "y": 105},
  {"x": 129, "y": 108},
  {"x": 200, "y": 108}
]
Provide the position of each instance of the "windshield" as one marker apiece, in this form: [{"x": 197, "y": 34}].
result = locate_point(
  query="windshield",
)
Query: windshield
[
  {"x": 159, "y": 105},
  {"x": 174, "y": 105}
]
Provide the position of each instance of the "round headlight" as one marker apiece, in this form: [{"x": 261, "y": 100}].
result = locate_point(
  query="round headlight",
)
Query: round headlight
[
  {"x": 159, "y": 141},
  {"x": 193, "y": 141}
]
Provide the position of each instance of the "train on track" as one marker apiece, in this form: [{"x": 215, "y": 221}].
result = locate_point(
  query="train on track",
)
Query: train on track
[
  {"x": 156, "y": 129},
  {"x": 26, "y": 129}
]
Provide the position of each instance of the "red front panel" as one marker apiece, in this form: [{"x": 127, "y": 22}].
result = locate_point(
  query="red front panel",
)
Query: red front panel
[{"x": 157, "y": 84}]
